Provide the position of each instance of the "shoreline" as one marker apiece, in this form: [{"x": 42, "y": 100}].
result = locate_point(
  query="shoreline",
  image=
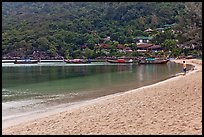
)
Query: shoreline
[{"x": 109, "y": 102}]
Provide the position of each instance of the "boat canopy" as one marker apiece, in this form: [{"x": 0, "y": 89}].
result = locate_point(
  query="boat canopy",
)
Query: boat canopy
[{"x": 150, "y": 59}]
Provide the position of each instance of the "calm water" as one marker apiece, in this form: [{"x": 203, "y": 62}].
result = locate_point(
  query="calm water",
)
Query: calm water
[
  {"x": 30, "y": 87},
  {"x": 45, "y": 79}
]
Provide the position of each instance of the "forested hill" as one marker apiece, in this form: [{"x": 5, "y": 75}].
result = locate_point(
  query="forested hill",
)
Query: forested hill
[{"x": 64, "y": 27}]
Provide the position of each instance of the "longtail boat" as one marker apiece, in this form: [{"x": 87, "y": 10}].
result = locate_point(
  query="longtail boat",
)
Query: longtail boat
[
  {"x": 26, "y": 61},
  {"x": 77, "y": 61},
  {"x": 120, "y": 61},
  {"x": 153, "y": 61}
]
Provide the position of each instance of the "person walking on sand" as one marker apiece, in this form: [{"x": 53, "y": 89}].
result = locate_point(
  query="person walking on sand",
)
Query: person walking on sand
[{"x": 184, "y": 68}]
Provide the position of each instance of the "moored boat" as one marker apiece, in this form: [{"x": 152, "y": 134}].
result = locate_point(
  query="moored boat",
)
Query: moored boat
[
  {"x": 26, "y": 61},
  {"x": 153, "y": 61},
  {"x": 120, "y": 61},
  {"x": 78, "y": 61}
]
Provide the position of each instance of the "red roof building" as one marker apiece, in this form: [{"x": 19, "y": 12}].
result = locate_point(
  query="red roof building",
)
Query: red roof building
[
  {"x": 143, "y": 46},
  {"x": 120, "y": 46},
  {"x": 146, "y": 46},
  {"x": 155, "y": 47}
]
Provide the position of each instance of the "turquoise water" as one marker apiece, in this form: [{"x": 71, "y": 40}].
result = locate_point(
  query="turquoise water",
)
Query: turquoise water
[
  {"x": 33, "y": 89},
  {"x": 25, "y": 82}
]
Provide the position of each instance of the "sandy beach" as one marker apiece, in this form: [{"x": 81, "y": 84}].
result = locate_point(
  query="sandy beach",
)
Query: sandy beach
[{"x": 170, "y": 107}]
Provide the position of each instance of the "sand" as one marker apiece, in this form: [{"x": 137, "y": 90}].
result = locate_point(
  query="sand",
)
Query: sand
[{"x": 170, "y": 107}]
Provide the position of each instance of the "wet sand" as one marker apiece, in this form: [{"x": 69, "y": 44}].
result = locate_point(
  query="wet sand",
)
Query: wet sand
[{"x": 173, "y": 106}]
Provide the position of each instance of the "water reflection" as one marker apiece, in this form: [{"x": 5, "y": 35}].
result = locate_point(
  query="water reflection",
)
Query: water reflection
[{"x": 63, "y": 79}]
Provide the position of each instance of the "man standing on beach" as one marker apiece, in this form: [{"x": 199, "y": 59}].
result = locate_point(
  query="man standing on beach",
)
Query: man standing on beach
[{"x": 184, "y": 68}]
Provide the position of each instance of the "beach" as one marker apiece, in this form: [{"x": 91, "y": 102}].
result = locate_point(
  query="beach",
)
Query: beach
[{"x": 169, "y": 107}]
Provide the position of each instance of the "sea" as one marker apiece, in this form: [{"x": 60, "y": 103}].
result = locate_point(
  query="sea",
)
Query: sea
[{"x": 34, "y": 88}]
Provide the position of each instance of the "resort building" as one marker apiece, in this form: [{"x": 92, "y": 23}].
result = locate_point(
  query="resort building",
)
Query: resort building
[
  {"x": 155, "y": 48},
  {"x": 160, "y": 29},
  {"x": 142, "y": 39},
  {"x": 148, "y": 47},
  {"x": 149, "y": 31}
]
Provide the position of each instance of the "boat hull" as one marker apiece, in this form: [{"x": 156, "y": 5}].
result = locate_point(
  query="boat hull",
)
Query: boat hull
[
  {"x": 70, "y": 62},
  {"x": 154, "y": 62},
  {"x": 26, "y": 62},
  {"x": 77, "y": 61},
  {"x": 116, "y": 61}
]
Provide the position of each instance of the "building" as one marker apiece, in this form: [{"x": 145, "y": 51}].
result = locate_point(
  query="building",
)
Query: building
[
  {"x": 144, "y": 46},
  {"x": 160, "y": 29},
  {"x": 148, "y": 47},
  {"x": 149, "y": 30},
  {"x": 143, "y": 39},
  {"x": 155, "y": 48}
]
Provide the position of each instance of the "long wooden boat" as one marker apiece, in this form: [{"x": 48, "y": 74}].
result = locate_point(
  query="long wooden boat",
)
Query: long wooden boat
[
  {"x": 153, "y": 61},
  {"x": 77, "y": 61},
  {"x": 26, "y": 62},
  {"x": 120, "y": 61}
]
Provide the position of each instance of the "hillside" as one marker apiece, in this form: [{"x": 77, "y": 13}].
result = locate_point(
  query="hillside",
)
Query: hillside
[{"x": 65, "y": 28}]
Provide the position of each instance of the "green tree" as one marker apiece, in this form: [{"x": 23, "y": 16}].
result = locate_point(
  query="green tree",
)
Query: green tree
[
  {"x": 190, "y": 26},
  {"x": 115, "y": 43},
  {"x": 160, "y": 37},
  {"x": 175, "y": 52},
  {"x": 169, "y": 44},
  {"x": 52, "y": 49},
  {"x": 67, "y": 54},
  {"x": 154, "y": 21},
  {"x": 88, "y": 53},
  {"x": 133, "y": 46},
  {"x": 141, "y": 22},
  {"x": 43, "y": 43}
]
